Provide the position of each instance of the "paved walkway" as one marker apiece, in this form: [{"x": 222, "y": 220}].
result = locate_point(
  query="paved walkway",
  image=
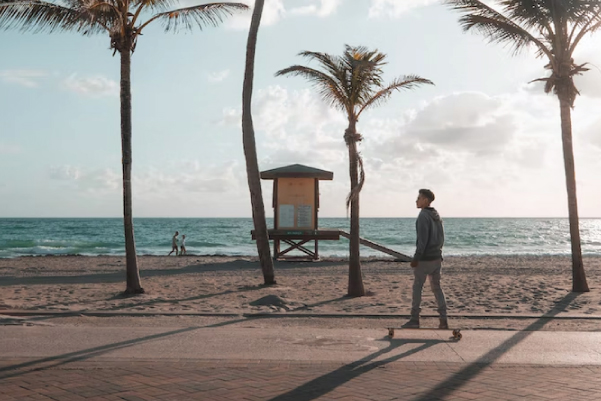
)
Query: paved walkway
[
  {"x": 300, "y": 381},
  {"x": 225, "y": 362}
]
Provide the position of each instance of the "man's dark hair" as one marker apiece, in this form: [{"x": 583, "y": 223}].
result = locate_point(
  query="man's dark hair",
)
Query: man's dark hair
[{"x": 427, "y": 194}]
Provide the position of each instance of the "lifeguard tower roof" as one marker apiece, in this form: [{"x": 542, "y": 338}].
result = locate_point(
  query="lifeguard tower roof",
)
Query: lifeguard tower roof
[{"x": 297, "y": 171}]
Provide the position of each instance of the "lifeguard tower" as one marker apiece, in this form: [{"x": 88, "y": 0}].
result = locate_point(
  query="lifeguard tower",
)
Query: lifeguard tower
[{"x": 295, "y": 204}]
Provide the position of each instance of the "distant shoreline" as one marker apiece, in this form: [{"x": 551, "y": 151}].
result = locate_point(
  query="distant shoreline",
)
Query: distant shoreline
[
  {"x": 370, "y": 258},
  {"x": 320, "y": 217}
]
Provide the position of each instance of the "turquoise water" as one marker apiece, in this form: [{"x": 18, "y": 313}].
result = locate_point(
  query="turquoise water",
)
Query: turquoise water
[{"x": 231, "y": 236}]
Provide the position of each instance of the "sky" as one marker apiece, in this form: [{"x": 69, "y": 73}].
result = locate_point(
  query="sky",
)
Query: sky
[{"x": 483, "y": 139}]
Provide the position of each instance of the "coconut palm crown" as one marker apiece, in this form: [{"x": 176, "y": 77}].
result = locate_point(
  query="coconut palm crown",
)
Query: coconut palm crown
[
  {"x": 352, "y": 83},
  {"x": 554, "y": 28},
  {"x": 124, "y": 21}
]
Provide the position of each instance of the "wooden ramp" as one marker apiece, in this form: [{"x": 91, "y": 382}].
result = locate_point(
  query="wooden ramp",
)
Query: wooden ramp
[{"x": 378, "y": 247}]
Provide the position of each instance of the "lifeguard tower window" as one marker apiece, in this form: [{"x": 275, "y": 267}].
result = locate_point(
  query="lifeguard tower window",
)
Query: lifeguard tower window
[{"x": 296, "y": 203}]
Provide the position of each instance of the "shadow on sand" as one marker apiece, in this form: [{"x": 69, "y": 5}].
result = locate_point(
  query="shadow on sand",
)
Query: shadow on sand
[{"x": 116, "y": 277}]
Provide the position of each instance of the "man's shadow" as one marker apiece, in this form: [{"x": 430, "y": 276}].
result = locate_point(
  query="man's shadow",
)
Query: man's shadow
[
  {"x": 330, "y": 381},
  {"x": 460, "y": 378}
]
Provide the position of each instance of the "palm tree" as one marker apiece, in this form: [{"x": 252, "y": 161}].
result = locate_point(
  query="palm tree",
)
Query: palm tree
[
  {"x": 250, "y": 150},
  {"x": 121, "y": 20},
  {"x": 554, "y": 28},
  {"x": 353, "y": 83}
]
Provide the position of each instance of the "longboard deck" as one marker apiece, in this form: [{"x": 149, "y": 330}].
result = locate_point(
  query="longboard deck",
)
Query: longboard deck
[{"x": 456, "y": 332}]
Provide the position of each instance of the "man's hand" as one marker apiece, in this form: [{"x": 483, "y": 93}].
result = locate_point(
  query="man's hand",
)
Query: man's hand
[{"x": 414, "y": 263}]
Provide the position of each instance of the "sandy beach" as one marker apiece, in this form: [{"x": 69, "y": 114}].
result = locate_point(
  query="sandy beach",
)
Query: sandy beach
[{"x": 502, "y": 288}]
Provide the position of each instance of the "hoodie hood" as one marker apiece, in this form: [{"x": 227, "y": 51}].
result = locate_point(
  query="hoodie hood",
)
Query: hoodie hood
[{"x": 433, "y": 213}]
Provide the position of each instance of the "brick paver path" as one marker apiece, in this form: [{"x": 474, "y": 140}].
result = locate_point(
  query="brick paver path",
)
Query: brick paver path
[{"x": 294, "y": 381}]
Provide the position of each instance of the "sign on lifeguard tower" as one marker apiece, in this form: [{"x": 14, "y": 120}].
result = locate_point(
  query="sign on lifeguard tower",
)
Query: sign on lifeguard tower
[{"x": 295, "y": 204}]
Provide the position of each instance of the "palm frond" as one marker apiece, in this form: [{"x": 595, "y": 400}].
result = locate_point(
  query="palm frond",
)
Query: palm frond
[
  {"x": 496, "y": 27},
  {"x": 42, "y": 16},
  {"x": 156, "y": 6},
  {"x": 593, "y": 23},
  {"x": 530, "y": 14},
  {"x": 211, "y": 14},
  {"x": 330, "y": 63},
  {"x": 107, "y": 13},
  {"x": 328, "y": 88},
  {"x": 334, "y": 67},
  {"x": 407, "y": 82}
]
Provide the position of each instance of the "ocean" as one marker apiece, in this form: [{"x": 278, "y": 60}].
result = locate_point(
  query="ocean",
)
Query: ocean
[{"x": 231, "y": 236}]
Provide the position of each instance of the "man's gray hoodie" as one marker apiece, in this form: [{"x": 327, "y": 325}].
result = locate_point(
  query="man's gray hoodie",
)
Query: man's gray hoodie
[{"x": 430, "y": 235}]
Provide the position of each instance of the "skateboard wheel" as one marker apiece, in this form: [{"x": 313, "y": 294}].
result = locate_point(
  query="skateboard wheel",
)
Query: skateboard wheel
[{"x": 391, "y": 333}]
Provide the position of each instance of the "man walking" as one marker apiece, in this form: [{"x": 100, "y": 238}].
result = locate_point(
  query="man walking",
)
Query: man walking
[
  {"x": 174, "y": 244},
  {"x": 427, "y": 261}
]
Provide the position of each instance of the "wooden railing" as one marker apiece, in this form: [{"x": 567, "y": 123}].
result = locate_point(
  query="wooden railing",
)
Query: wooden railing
[{"x": 378, "y": 247}]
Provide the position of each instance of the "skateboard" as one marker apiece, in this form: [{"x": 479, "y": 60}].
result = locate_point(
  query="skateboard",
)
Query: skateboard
[{"x": 456, "y": 332}]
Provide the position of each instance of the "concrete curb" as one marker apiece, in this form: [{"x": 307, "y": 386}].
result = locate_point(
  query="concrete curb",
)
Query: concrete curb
[{"x": 108, "y": 313}]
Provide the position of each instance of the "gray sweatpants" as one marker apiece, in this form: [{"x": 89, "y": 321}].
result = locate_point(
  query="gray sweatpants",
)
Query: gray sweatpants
[{"x": 430, "y": 269}]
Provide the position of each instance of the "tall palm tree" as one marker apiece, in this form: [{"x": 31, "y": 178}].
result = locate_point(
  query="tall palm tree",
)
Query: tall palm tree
[
  {"x": 250, "y": 150},
  {"x": 352, "y": 83},
  {"x": 121, "y": 19},
  {"x": 554, "y": 28}
]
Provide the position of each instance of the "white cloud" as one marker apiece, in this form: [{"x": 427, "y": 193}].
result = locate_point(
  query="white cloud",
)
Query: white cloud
[
  {"x": 181, "y": 177},
  {"x": 27, "y": 78},
  {"x": 64, "y": 173},
  {"x": 218, "y": 76},
  {"x": 273, "y": 11},
  {"x": 464, "y": 122},
  {"x": 92, "y": 86},
  {"x": 298, "y": 121},
  {"x": 231, "y": 117},
  {"x": 592, "y": 133},
  {"x": 460, "y": 144},
  {"x": 8, "y": 149},
  {"x": 320, "y": 8},
  {"x": 298, "y": 127},
  {"x": 276, "y": 10},
  {"x": 94, "y": 182},
  {"x": 394, "y": 8}
]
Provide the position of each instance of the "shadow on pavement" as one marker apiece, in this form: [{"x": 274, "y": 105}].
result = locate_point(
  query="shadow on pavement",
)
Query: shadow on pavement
[
  {"x": 330, "y": 381},
  {"x": 461, "y": 377},
  {"x": 77, "y": 356}
]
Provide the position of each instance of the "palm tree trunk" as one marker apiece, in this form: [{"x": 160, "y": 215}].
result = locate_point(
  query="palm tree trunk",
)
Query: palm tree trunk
[
  {"x": 579, "y": 283},
  {"x": 355, "y": 279},
  {"x": 133, "y": 285},
  {"x": 250, "y": 150}
]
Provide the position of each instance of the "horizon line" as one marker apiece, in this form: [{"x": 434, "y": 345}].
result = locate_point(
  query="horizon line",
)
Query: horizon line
[{"x": 271, "y": 217}]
